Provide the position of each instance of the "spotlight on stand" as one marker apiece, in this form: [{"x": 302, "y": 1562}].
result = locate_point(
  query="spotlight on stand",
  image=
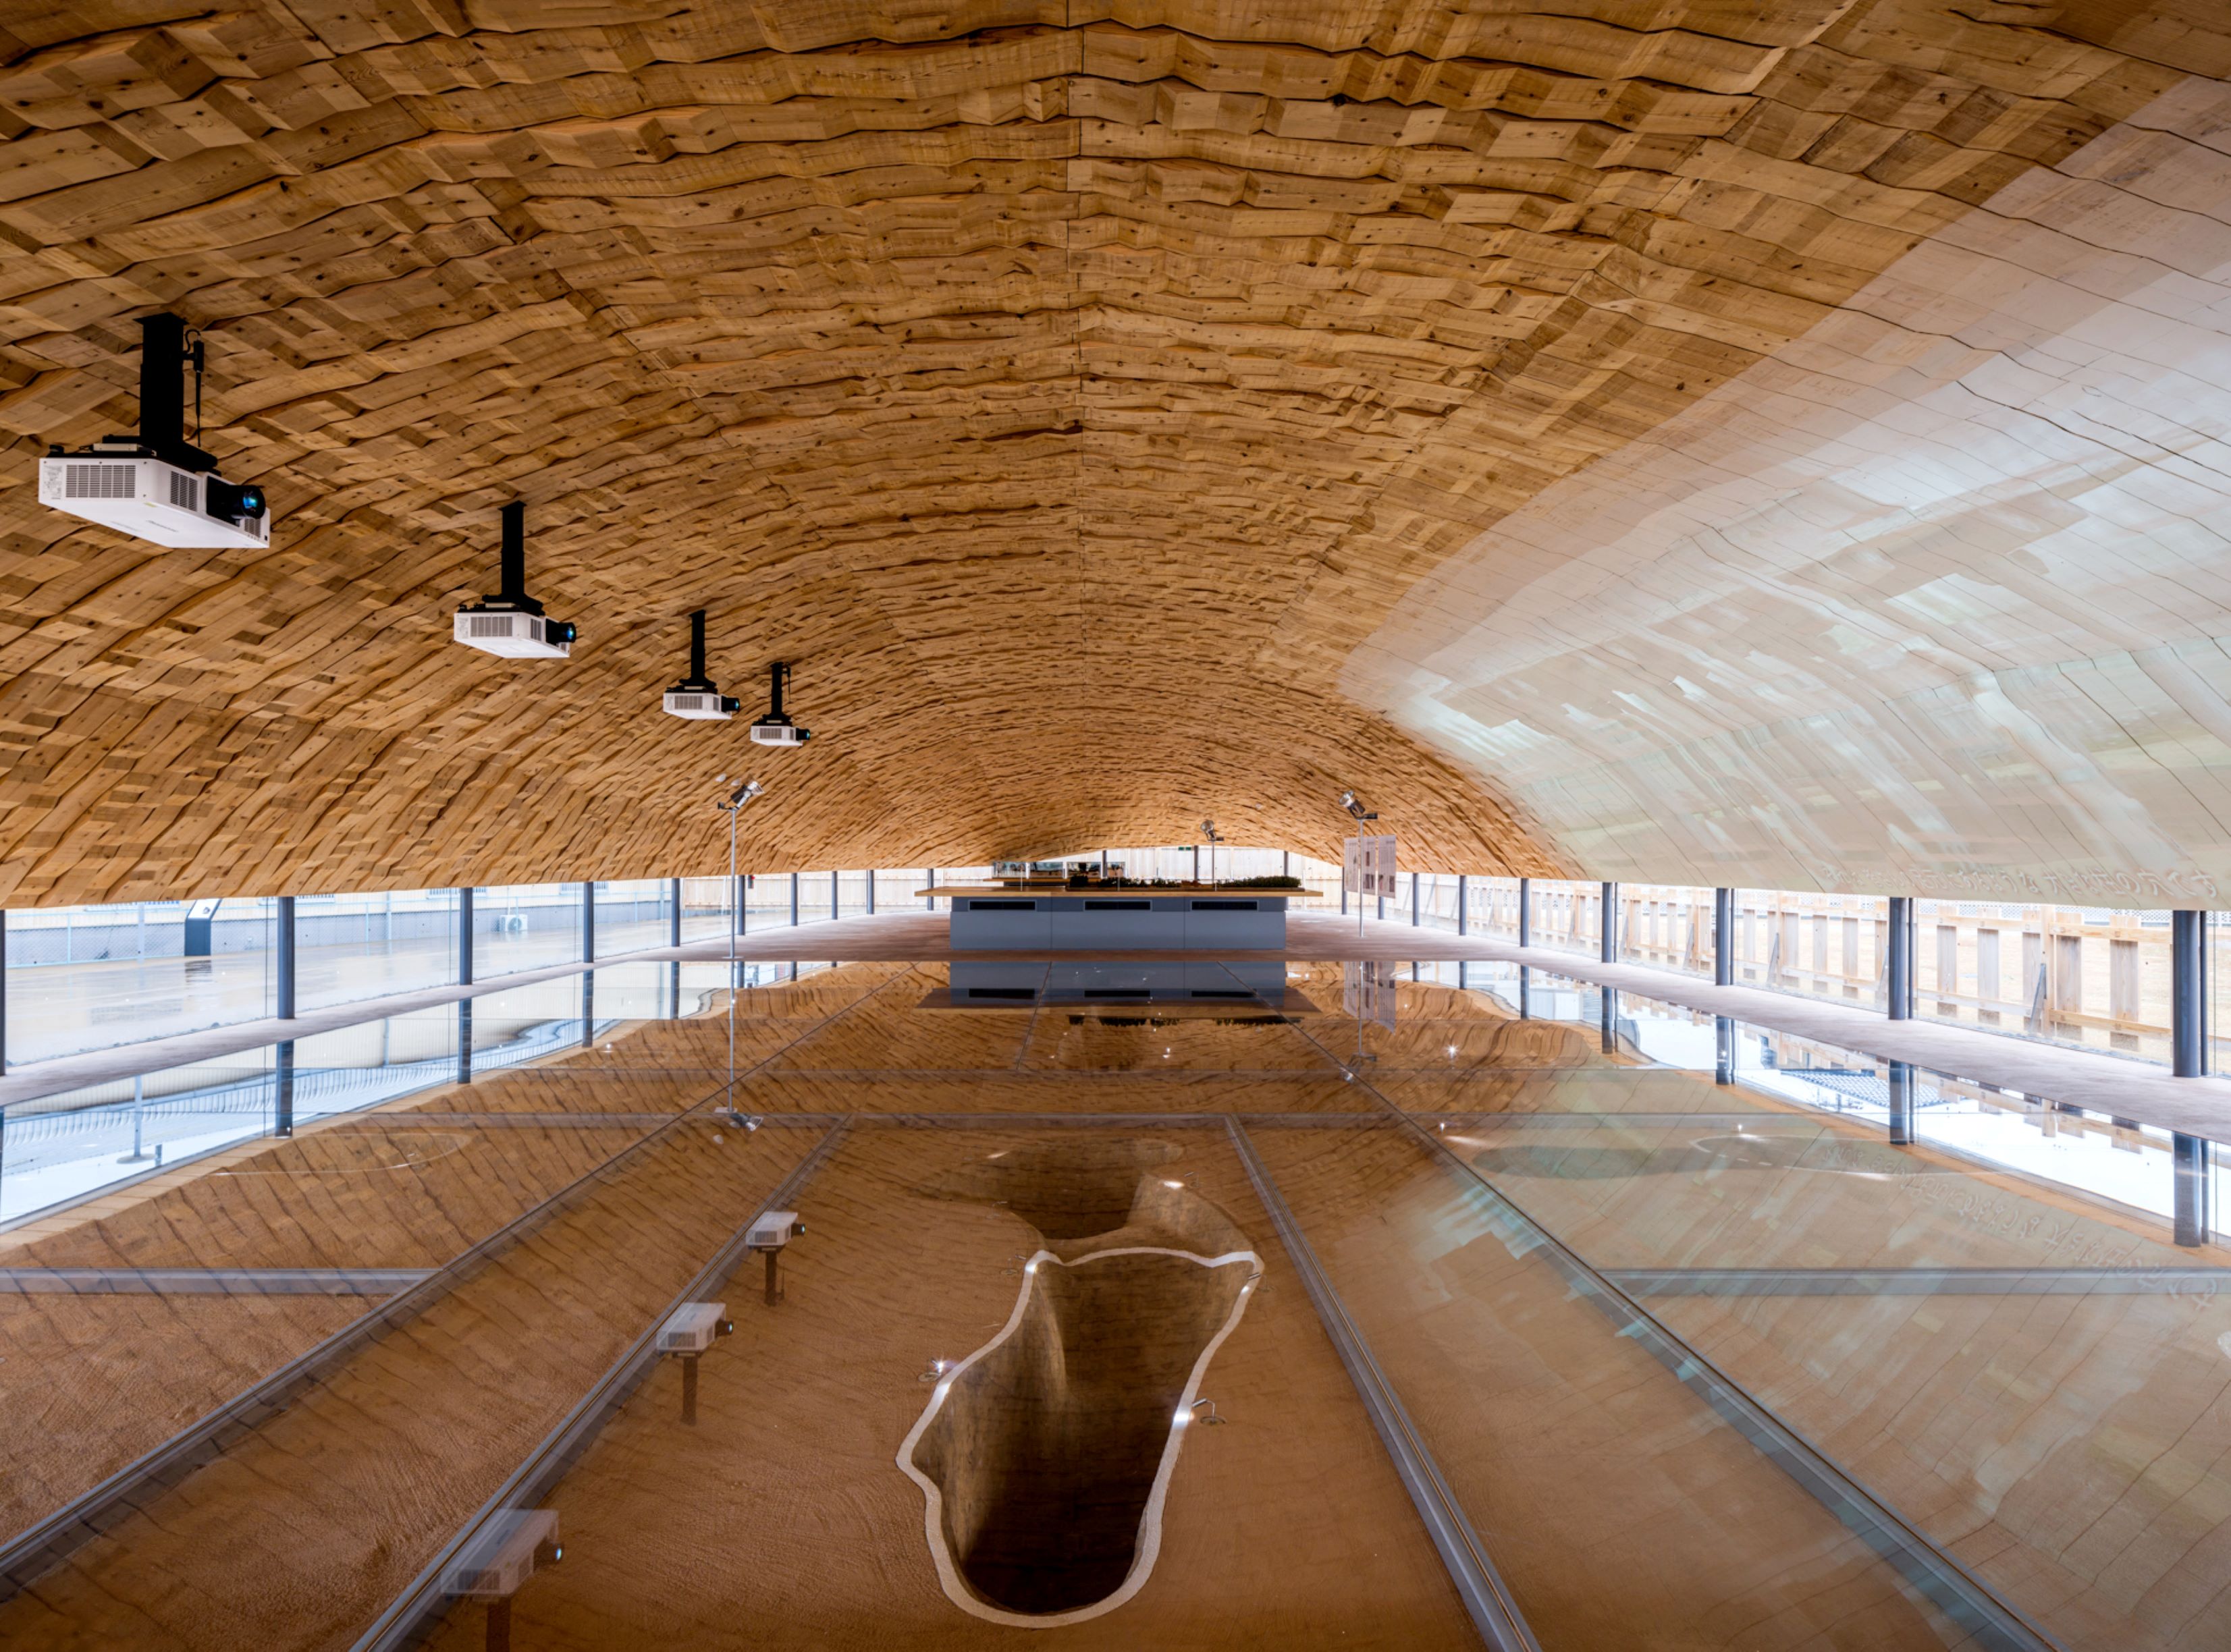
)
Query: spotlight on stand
[
  {"x": 774, "y": 728},
  {"x": 695, "y": 696},
  {"x": 1348, "y": 802},
  {"x": 157, "y": 486},
  {"x": 511, "y": 624}
]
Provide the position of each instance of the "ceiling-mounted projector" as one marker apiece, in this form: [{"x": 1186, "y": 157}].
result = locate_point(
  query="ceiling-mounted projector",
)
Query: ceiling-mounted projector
[
  {"x": 157, "y": 486},
  {"x": 774, "y": 728},
  {"x": 511, "y": 624},
  {"x": 695, "y": 696}
]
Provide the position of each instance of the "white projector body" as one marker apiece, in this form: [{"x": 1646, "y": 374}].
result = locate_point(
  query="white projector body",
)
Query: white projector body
[
  {"x": 699, "y": 706},
  {"x": 774, "y": 1230},
  {"x": 692, "y": 1329},
  {"x": 501, "y": 1557},
  {"x": 148, "y": 498},
  {"x": 783, "y": 734},
  {"x": 512, "y": 634}
]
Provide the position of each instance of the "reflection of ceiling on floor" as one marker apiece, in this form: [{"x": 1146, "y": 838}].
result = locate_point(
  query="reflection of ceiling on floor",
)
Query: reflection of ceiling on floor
[
  {"x": 1070, "y": 401},
  {"x": 1934, "y": 597}
]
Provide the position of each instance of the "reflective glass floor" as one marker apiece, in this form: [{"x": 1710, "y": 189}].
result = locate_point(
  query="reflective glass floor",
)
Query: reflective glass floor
[{"x": 1184, "y": 1304}]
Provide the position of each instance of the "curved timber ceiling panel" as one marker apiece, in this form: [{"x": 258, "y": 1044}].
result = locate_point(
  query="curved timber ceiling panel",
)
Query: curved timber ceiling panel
[
  {"x": 1078, "y": 395},
  {"x": 1936, "y": 597}
]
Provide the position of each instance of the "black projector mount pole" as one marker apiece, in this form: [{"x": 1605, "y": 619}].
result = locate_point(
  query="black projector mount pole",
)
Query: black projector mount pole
[
  {"x": 164, "y": 353},
  {"x": 513, "y": 593}
]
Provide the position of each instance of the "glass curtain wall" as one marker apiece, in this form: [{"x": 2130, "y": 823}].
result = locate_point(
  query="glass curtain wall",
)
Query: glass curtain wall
[
  {"x": 1567, "y": 917},
  {"x": 1435, "y": 895},
  {"x": 89, "y": 978},
  {"x": 353, "y": 946},
  {"x": 1818, "y": 945},
  {"x": 1495, "y": 906},
  {"x": 526, "y": 926},
  {"x": 633, "y": 915},
  {"x": 2094, "y": 976},
  {"x": 766, "y": 900},
  {"x": 2216, "y": 998},
  {"x": 1667, "y": 926},
  {"x": 707, "y": 904}
]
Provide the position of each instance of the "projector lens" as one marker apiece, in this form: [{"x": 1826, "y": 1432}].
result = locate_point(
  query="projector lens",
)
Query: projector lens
[{"x": 242, "y": 504}]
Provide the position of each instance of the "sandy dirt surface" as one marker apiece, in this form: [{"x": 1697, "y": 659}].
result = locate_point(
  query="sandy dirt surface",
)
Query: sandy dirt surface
[
  {"x": 301, "y": 1533},
  {"x": 782, "y": 1520}
]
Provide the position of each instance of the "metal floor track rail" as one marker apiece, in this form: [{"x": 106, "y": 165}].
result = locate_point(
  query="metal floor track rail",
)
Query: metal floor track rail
[
  {"x": 1493, "y": 1608},
  {"x": 40, "y": 1548},
  {"x": 413, "y": 1614},
  {"x": 1990, "y": 1624}
]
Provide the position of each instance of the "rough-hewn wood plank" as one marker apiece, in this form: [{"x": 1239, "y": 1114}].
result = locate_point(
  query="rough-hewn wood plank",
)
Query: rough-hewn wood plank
[{"x": 1069, "y": 390}]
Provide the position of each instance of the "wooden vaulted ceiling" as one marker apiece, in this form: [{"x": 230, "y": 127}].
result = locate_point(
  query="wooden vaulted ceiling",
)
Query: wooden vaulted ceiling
[{"x": 1066, "y": 388}]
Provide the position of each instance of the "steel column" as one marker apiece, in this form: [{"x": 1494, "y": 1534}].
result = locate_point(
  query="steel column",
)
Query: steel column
[
  {"x": 589, "y": 922},
  {"x": 835, "y": 895},
  {"x": 1415, "y": 917},
  {"x": 1724, "y": 939},
  {"x": 674, "y": 918},
  {"x": 793, "y": 900},
  {"x": 1463, "y": 927},
  {"x": 465, "y": 937},
  {"x": 2187, "y": 993},
  {"x": 1525, "y": 912},
  {"x": 2188, "y": 1160},
  {"x": 284, "y": 993},
  {"x": 870, "y": 875},
  {"x": 1723, "y": 1063},
  {"x": 929, "y": 902},
  {"x": 1608, "y": 951},
  {"x": 1898, "y": 966}
]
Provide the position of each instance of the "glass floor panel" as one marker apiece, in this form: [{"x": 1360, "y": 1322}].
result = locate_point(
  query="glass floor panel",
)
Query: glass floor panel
[{"x": 1185, "y": 1305}]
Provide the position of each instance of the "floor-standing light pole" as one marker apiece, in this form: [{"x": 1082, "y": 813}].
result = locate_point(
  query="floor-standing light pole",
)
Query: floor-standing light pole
[
  {"x": 1355, "y": 812},
  {"x": 732, "y": 805}
]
